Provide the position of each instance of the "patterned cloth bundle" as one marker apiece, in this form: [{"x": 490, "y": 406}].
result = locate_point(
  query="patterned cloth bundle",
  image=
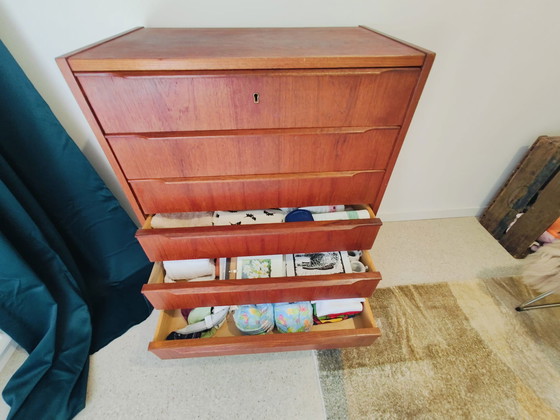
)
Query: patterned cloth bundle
[{"x": 336, "y": 310}]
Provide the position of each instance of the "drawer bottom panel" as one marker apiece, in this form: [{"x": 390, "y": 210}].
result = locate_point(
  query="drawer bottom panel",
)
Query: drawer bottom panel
[{"x": 358, "y": 331}]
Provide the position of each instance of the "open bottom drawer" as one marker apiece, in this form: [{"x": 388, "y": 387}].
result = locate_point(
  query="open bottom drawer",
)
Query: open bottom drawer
[
  {"x": 266, "y": 239},
  {"x": 358, "y": 331},
  {"x": 185, "y": 294}
]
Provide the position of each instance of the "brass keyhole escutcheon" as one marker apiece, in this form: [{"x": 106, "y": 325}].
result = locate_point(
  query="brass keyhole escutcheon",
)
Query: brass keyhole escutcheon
[{"x": 256, "y": 98}]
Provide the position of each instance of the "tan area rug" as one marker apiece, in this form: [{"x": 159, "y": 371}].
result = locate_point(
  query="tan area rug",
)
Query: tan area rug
[{"x": 448, "y": 351}]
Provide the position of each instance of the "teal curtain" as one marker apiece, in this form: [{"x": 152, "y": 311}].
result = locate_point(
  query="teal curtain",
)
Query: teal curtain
[{"x": 70, "y": 268}]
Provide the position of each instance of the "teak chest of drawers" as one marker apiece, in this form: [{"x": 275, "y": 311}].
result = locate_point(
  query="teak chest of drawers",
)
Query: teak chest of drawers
[{"x": 237, "y": 119}]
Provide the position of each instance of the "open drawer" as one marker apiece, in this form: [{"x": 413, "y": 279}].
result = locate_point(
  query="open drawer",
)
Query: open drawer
[
  {"x": 184, "y": 294},
  {"x": 358, "y": 331},
  {"x": 240, "y": 240}
]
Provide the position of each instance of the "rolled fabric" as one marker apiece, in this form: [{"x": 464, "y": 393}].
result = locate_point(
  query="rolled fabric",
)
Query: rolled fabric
[
  {"x": 209, "y": 277},
  {"x": 175, "y": 220},
  {"x": 202, "y": 320},
  {"x": 189, "y": 269},
  {"x": 338, "y": 306},
  {"x": 248, "y": 217},
  {"x": 293, "y": 317},
  {"x": 342, "y": 215},
  {"x": 254, "y": 319}
]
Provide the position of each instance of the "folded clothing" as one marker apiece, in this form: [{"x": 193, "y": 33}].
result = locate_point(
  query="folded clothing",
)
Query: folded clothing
[
  {"x": 337, "y": 306},
  {"x": 174, "y": 220},
  {"x": 248, "y": 217},
  {"x": 202, "y": 323},
  {"x": 332, "y": 317},
  {"x": 192, "y": 270},
  {"x": 254, "y": 319},
  {"x": 293, "y": 317},
  {"x": 342, "y": 215}
]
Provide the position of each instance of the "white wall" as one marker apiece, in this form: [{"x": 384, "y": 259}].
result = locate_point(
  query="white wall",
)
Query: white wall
[{"x": 494, "y": 87}]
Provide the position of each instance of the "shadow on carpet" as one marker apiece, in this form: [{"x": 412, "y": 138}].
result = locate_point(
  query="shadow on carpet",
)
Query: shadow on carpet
[{"x": 449, "y": 350}]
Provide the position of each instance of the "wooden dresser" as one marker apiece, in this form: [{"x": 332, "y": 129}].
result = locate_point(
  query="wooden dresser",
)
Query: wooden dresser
[{"x": 236, "y": 119}]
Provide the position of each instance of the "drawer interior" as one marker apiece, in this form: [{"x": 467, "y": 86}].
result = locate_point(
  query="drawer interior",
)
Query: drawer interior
[
  {"x": 148, "y": 223},
  {"x": 172, "y": 320},
  {"x": 357, "y": 331},
  {"x": 266, "y": 239},
  {"x": 185, "y": 294}
]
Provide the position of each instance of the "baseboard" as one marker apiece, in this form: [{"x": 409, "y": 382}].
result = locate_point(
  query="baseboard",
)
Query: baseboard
[{"x": 429, "y": 214}]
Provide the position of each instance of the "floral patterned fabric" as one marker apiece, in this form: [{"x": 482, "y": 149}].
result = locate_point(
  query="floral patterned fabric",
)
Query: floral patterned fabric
[{"x": 293, "y": 317}]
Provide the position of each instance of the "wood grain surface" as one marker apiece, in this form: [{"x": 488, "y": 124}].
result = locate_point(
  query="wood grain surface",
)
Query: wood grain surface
[
  {"x": 238, "y": 240},
  {"x": 358, "y": 331},
  {"x": 251, "y": 152},
  {"x": 246, "y": 48},
  {"x": 169, "y": 195},
  {"x": 157, "y": 102}
]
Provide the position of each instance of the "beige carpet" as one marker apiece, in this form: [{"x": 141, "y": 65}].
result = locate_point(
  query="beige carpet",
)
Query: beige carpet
[{"x": 450, "y": 350}]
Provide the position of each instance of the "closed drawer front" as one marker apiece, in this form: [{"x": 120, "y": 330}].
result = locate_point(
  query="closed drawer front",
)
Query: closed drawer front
[
  {"x": 240, "y": 240},
  {"x": 358, "y": 331},
  {"x": 147, "y": 102},
  {"x": 171, "y": 195},
  {"x": 185, "y": 294},
  {"x": 250, "y": 152}
]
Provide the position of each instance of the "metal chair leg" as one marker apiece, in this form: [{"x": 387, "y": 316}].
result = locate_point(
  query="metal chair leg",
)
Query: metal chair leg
[{"x": 527, "y": 305}]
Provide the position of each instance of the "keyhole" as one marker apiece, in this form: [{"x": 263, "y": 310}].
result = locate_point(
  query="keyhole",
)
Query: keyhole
[{"x": 256, "y": 98}]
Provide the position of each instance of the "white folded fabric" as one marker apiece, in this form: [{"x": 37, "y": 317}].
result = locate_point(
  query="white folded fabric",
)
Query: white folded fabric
[
  {"x": 167, "y": 279},
  {"x": 189, "y": 269},
  {"x": 248, "y": 217},
  {"x": 342, "y": 215},
  {"x": 174, "y": 220},
  {"x": 337, "y": 306}
]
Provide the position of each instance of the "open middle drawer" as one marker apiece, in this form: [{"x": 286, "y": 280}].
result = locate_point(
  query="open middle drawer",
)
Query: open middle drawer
[
  {"x": 266, "y": 239},
  {"x": 185, "y": 294}
]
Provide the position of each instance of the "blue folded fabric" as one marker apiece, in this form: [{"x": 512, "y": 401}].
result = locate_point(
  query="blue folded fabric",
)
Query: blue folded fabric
[
  {"x": 254, "y": 319},
  {"x": 293, "y": 317}
]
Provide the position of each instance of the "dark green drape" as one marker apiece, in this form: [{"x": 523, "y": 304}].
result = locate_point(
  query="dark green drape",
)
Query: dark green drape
[{"x": 70, "y": 268}]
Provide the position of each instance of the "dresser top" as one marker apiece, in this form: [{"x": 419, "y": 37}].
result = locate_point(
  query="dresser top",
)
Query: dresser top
[{"x": 174, "y": 49}]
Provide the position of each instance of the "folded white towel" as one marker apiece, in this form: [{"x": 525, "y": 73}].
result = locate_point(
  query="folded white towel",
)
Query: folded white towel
[
  {"x": 248, "y": 217},
  {"x": 173, "y": 220},
  {"x": 342, "y": 215},
  {"x": 167, "y": 279},
  {"x": 337, "y": 306},
  {"x": 189, "y": 269}
]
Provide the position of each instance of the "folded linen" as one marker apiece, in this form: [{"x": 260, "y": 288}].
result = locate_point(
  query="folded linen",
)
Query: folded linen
[
  {"x": 174, "y": 220},
  {"x": 200, "y": 320},
  {"x": 248, "y": 217},
  {"x": 293, "y": 317},
  {"x": 209, "y": 277},
  {"x": 342, "y": 215},
  {"x": 189, "y": 269},
  {"x": 337, "y": 306},
  {"x": 254, "y": 319}
]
